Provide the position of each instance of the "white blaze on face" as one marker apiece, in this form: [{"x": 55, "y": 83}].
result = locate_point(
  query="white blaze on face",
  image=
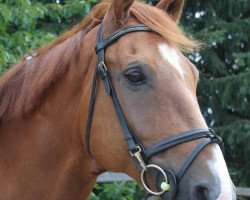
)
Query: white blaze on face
[
  {"x": 219, "y": 165},
  {"x": 170, "y": 55}
]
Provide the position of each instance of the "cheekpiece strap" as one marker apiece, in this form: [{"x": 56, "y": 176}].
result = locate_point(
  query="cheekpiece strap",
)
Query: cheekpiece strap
[{"x": 134, "y": 146}]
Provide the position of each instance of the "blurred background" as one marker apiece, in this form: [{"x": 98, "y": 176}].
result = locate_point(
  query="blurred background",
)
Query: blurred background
[{"x": 224, "y": 64}]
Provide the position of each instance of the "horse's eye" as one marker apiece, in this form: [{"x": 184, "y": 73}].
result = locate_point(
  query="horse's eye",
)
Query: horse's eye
[{"x": 135, "y": 76}]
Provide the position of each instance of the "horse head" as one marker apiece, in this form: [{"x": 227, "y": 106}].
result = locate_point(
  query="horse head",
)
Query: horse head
[{"x": 153, "y": 104}]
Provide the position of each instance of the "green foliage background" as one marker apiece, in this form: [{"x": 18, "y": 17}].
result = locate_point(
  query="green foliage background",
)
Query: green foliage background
[{"x": 224, "y": 64}]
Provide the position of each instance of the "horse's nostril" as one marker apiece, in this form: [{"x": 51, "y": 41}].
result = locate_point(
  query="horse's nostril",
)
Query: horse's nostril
[
  {"x": 200, "y": 192},
  {"x": 204, "y": 192}
]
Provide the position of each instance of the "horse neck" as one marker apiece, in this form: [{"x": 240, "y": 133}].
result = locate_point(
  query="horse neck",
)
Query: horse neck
[{"x": 43, "y": 154}]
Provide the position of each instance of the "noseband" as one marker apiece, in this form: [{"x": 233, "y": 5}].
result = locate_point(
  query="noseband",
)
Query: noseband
[{"x": 138, "y": 153}]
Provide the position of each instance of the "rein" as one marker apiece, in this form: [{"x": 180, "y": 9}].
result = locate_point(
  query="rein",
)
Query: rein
[{"x": 138, "y": 153}]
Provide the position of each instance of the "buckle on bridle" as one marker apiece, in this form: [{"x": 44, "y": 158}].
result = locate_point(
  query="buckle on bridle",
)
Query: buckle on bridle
[
  {"x": 213, "y": 136},
  {"x": 137, "y": 154},
  {"x": 217, "y": 139},
  {"x": 102, "y": 64},
  {"x": 102, "y": 69}
]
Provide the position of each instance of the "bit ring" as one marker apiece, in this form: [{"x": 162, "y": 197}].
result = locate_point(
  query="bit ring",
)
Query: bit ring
[{"x": 143, "y": 180}]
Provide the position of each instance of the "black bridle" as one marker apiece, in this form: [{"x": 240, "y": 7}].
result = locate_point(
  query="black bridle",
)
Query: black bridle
[{"x": 136, "y": 149}]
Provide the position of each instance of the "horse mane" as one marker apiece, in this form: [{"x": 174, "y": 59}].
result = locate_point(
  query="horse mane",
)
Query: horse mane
[{"x": 25, "y": 86}]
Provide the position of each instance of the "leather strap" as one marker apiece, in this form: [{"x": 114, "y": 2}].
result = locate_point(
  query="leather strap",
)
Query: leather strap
[
  {"x": 102, "y": 44},
  {"x": 90, "y": 112},
  {"x": 102, "y": 70},
  {"x": 176, "y": 140},
  {"x": 191, "y": 158}
]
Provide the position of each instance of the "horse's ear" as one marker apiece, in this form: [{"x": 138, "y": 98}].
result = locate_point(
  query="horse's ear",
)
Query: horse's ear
[
  {"x": 120, "y": 9},
  {"x": 172, "y": 7}
]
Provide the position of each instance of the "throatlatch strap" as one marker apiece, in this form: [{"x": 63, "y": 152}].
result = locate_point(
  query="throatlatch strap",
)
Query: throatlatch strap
[{"x": 90, "y": 112}]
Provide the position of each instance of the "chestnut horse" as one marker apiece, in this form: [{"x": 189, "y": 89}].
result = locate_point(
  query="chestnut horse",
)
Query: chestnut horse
[{"x": 45, "y": 104}]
